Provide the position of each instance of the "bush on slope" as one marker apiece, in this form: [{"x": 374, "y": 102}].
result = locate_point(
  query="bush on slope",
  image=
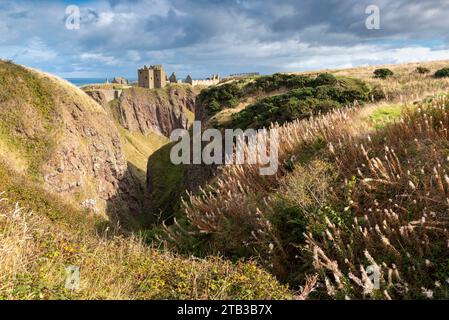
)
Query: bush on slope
[
  {"x": 320, "y": 96},
  {"x": 347, "y": 198}
]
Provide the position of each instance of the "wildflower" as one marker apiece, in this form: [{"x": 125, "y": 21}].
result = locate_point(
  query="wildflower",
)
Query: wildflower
[{"x": 427, "y": 293}]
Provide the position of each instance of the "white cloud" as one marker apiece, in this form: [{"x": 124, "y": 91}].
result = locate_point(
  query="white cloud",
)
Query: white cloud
[
  {"x": 35, "y": 49},
  {"x": 200, "y": 37},
  {"x": 105, "y": 19},
  {"x": 98, "y": 57}
]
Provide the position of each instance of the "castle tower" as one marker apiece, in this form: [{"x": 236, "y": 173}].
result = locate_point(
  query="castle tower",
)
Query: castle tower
[
  {"x": 160, "y": 78},
  {"x": 152, "y": 77}
]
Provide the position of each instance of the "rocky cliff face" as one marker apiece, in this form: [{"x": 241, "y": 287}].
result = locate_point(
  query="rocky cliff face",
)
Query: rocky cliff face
[
  {"x": 159, "y": 111},
  {"x": 143, "y": 111},
  {"x": 60, "y": 138},
  {"x": 88, "y": 159}
]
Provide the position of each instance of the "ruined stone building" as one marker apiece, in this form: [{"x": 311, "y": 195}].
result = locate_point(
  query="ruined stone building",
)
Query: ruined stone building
[
  {"x": 173, "y": 78},
  {"x": 215, "y": 79},
  {"x": 119, "y": 80},
  {"x": 152, "y": 77}
]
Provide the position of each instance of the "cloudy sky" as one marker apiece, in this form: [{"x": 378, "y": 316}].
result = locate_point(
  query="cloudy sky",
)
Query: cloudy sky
[{"x": 199, "y": 37}]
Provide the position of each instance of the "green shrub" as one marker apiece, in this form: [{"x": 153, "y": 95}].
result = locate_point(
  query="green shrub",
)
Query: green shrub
[
  {"x": 442, "y": 73},
  {"x": 383, "y": 73},
  {"x": 323, "y": 94},
  {"x": 325, "y": 79},
  {"x": 229, "y": 95},
  {"x": 277, "y": 81},
  {"x": 422, "y": 70},
  {"x": 215, "y": 99},
  {"x": 377, "y": 94}
]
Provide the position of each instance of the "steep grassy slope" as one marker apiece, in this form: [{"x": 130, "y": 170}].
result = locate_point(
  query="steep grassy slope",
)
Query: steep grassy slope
[
  {"x": 248, "y": 103},
  {"x": 357, "y": 190},
  {"x": 366, "y": 196},
  {"x": 54, "y": 134},
  {"x": 35, "y": 252},
  {"x": 139, "y": 147},
  {"x": 166, "y": 184}
]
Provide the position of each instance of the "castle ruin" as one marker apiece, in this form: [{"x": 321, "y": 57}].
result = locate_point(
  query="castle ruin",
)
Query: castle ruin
[
  {"x": 156, "y": 77},
  {"x": 215, "y": 79},
  {"x": 152, "y": 77}
]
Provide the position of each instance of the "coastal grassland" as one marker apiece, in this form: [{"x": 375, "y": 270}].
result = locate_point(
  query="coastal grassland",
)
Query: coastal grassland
[
  {"x": 27, "y": 117},
  {"x": 406, "y": 84},
  {"x": 372, "y": 191},
  {"x": 386, "y": 114},
  {"x": 35, "y": 252}
]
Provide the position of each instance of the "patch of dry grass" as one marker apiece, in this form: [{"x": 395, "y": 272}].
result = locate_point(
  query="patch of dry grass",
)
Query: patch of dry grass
[
  {"x": 405, "y": 85},
  {"x": 35, "y": 252},
  {"x": 379, "y": 198}
]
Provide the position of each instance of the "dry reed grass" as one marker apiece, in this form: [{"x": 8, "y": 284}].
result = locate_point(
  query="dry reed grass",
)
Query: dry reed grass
[
  {"x": 385, "y": 205},
  {"x": 34, "y": 254}
]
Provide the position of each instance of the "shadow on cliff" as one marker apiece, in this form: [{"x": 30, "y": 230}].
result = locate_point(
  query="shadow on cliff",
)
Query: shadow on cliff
[{"x": 130, "y": 206}]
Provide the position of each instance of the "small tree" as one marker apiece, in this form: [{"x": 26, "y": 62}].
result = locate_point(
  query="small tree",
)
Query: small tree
[
  {"x": 383, "y": 73},
  {"x": 442, "y": 73}
]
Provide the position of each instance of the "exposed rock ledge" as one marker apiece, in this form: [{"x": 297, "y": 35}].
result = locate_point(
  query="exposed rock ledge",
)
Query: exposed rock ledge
[{"x": 156, "y": 110}]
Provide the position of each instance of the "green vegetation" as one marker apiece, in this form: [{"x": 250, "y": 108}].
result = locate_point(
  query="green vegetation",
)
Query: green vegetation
[
  {"x": 385, "y": 115},
  {"x": 36, "y": 252},
  {"x": 277, "y": 81},
  {"x": 33, "y": 196},
  {"x": 422, "y": 70},
  {"x": 27, "y": 115},
  {"x": 320, "y": 96},
  {"x": 168, "y": 183},
  {"x": 346, "y": 198},
  {"x": 41, "y": 232},
  {"x": 442, "y": 73},
  {"x": 221, "y": 97},
  {"x": 282, "y": 98},
  {"x": 383, "y": 73},
  {"x": 231, "y": 94}
]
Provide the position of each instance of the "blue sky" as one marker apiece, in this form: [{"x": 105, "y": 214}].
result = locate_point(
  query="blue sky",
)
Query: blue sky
[{"x": 200, "y": 37}]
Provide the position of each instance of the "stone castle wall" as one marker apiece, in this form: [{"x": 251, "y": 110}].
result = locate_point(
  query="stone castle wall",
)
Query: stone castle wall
[
  {"x": 110, "y": 94},
  {"x": 204, "y": 82}
]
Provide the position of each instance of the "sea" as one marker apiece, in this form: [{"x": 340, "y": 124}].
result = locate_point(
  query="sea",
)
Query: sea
[{"x": 79, "y": 82}]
